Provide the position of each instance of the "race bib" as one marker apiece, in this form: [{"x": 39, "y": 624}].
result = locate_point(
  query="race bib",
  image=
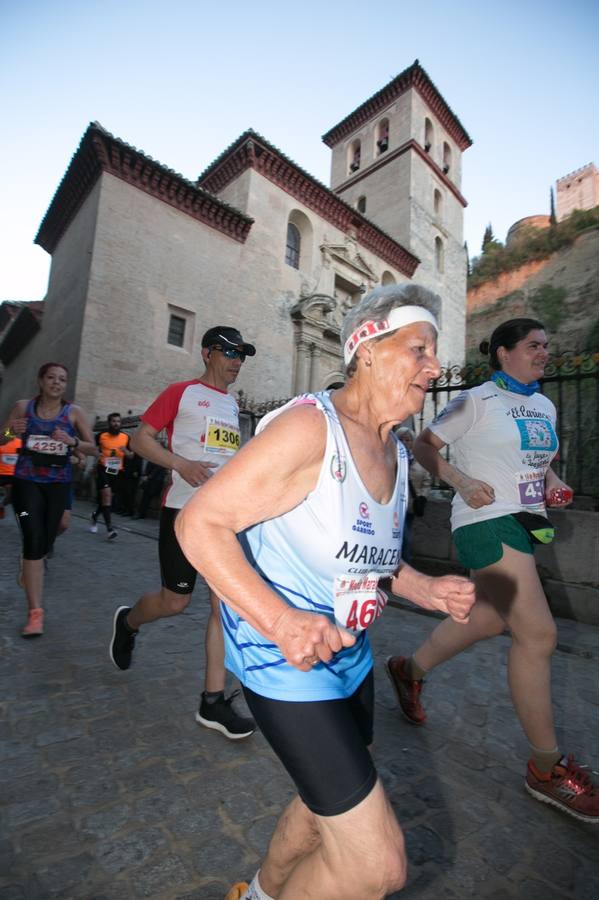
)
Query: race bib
[
  {"x": 358, "y": 601},
  {"x": 42, "y": 443},
  {"x": 532, "y": 493},
  {"x": 221, "y": 437},
  {"x": 112, "y": 465}
]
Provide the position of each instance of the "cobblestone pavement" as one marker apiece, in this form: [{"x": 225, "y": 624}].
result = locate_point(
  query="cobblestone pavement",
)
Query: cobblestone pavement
[{"x": 110, "y": 790}]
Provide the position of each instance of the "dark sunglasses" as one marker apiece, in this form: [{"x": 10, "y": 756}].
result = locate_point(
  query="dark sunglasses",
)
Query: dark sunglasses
[{"x": 230, "y": 352}]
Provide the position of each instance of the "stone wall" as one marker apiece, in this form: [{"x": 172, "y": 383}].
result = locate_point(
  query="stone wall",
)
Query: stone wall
[
  {"x": 150, "y": 259},
  {"x": 64, "y": 311},
  {"x": 569, "y": 567}
]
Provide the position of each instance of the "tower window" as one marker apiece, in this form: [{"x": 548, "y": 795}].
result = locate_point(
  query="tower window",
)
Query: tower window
[
  {"x": 382, "y": 136},
  {"x": 429, "y": 135},
  {"x": 446, "y": 157},
  {"x": 439, "y": 256},
  {"x": 361, "y": 204},
  {"x": 354, "y": 156},
  {"x": 438, "y": 204},
  {"x": 292, "y": 249},
  {"x": 176, "y": 331}
]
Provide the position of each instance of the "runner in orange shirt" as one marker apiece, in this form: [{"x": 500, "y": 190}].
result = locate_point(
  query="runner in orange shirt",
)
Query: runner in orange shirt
[
  {"x": 9, "y": 453},
  {"x": 113, "y": 446}
]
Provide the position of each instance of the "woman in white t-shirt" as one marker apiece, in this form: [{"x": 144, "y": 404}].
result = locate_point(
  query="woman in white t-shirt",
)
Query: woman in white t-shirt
[{"x": 503, "y": 439}]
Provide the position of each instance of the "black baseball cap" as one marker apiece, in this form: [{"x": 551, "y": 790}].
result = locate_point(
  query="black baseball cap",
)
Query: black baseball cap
[{"x": 224, "y": 336}]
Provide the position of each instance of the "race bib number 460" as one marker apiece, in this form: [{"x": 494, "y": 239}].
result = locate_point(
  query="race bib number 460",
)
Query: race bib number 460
[
  {"x": 221, "y": 437},
  {"x": 358, "y": 600},
  {"x": 41, "y": 443}
]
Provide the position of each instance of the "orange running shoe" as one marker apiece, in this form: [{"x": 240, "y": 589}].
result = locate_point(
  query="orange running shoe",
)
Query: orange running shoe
[
  {"x": 407, "y": 691},
  {"x": 237, "y": 891},
  {"x": 35, "y": 624},
  {"x": 568, "y": 786}
]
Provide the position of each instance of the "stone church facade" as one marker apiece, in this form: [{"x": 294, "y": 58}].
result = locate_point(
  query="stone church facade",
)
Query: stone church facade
[{"x": 143, "y": 260}]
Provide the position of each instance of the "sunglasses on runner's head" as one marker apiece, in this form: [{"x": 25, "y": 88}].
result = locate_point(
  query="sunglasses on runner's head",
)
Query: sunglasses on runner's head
[{"x": 230, "y": 352}]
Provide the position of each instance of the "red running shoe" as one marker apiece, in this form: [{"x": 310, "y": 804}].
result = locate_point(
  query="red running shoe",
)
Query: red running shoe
[
  {"x": 407, "y": 691},
  {"x": 568, "y": 787}
]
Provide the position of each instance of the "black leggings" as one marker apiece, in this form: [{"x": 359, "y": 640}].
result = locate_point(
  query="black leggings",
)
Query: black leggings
[{"x": 38, "y": 508}]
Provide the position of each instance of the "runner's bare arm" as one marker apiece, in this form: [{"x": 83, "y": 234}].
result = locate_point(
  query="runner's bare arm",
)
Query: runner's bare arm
[
  {"x": 144, "y": 443},
  {"x": 86, "y": 443},
  {"x": 16, "y": 423},
  {"x": 266, "y": 478},
  {"x": 451, "y": 594},
  {"x": 427, "y": 449}
]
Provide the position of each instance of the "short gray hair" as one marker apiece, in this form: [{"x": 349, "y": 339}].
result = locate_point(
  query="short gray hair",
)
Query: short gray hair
[{"x": 378, "y": 303}]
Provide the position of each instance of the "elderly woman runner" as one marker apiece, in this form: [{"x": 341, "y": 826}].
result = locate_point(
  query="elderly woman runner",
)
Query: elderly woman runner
[{"x": 318, "y": 498}]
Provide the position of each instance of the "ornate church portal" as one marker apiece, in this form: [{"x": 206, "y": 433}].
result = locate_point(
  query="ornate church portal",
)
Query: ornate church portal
[{"x": 317, "y": 319}]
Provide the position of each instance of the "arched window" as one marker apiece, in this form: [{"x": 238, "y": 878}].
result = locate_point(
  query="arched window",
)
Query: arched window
[
  {"x": 446, "y": 157},
  {"x": 438, "y": 204},
  {"x": 361, "y": 204},
  {"x": 439, "y": 255},
  {"x": 388, "y": 278},
  {"x": 354, "y": 156},
  {"x": 429, "y": 135},
  {"x": 292, "y": 249},
  {"x": 382, "y": 136}
]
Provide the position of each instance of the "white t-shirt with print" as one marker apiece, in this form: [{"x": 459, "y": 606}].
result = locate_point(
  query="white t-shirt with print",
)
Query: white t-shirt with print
[{"x": 504, "y": 439}]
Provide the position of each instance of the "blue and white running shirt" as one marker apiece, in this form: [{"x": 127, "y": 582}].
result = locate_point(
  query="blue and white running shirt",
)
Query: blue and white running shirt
[{"x": 324, "y": 556}]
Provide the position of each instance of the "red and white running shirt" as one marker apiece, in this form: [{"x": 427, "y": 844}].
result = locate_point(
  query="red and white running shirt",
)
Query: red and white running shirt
[{"x": 202, "y": 423}]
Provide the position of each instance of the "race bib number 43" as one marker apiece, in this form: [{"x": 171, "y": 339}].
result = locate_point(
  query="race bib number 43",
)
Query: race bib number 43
[
  {"x": 221, "y": 437},
  {"x": 532, "y": 492},
  {"x": 41, "y": 443},
  {"x": 358, "y": 600}
]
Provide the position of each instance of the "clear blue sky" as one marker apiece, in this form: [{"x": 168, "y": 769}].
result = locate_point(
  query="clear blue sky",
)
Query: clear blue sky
[{"x": 182, "y": 80}]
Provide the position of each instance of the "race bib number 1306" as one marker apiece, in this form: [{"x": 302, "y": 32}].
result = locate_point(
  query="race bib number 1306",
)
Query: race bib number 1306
[{"x": 221, "y": 437}]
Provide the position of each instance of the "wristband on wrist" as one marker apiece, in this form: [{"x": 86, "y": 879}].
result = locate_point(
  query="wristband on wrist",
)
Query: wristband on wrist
[{"x": 76, "y": 444}]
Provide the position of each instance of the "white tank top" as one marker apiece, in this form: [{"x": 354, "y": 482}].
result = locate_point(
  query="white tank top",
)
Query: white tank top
[{"x": 325, "y": 556}]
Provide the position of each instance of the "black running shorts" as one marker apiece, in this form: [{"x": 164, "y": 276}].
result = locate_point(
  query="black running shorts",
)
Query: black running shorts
[
  {"x": 38, "y": 507},
  {"x": 105, "y": 479},
  {"x": 323, "y": 745},
  {"x": 177, "y": 573}
]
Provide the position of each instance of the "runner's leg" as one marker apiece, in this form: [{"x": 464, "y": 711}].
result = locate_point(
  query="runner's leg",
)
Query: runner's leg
[
  {"x": 361, "y": 856},
  {"x": 215, "y": 648},
  {"x": 514, "y": 579}
]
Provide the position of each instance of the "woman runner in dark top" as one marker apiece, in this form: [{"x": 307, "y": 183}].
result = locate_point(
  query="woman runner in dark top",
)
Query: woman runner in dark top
[{"x": 51, "y": 429}]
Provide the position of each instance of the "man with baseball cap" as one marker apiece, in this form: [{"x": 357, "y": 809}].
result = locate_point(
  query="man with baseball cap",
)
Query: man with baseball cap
[{"x": 201, "y": 420}]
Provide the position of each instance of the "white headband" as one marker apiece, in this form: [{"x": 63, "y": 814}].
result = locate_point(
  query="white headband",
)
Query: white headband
[{"x": 397, "y": 318}]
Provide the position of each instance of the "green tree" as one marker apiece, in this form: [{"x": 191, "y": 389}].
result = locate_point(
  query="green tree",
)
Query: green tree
[{"x": 488, "y": 237}]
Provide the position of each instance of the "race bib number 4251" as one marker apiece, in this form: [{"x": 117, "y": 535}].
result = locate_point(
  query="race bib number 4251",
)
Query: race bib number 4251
[
  {"x": 42, "y": 443},
  {"x": 358, "y": 600},
  {"x": 221, "y": 437}
]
